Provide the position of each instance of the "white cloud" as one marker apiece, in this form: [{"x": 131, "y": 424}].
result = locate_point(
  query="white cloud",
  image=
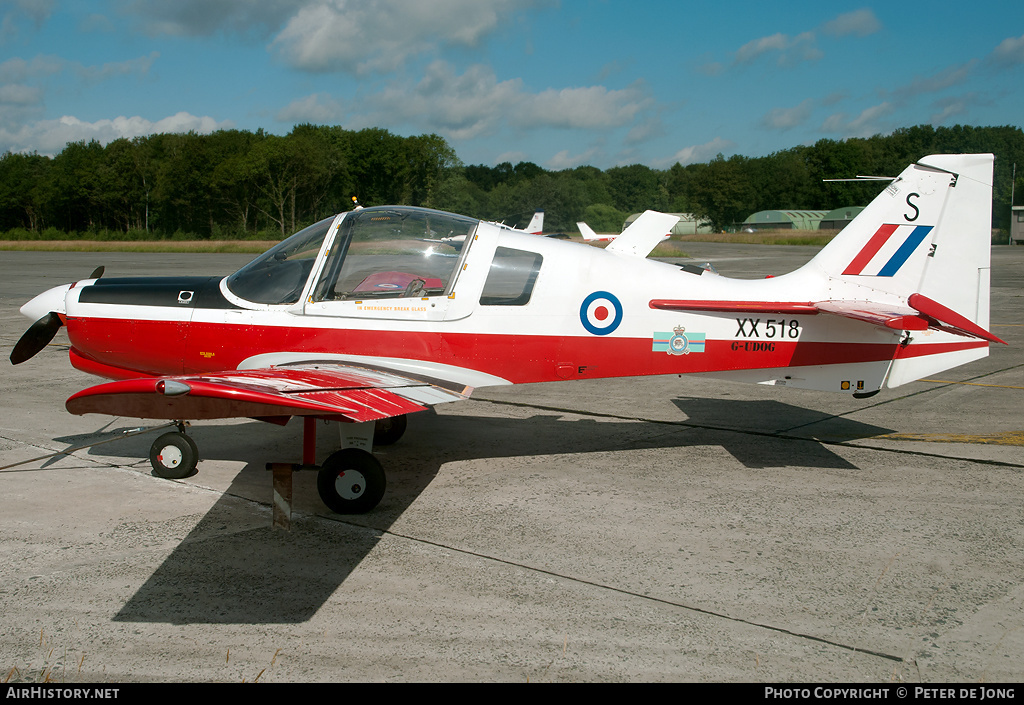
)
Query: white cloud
[
  {"x": 15, "y": 12},
  {"x": 1010, "y": 51},
  {"x": 23, "y": 94},
  {"x": 565, "y": 160},
  {"x": 753, "y": 49},
  {"x": 364, "y": 36},
  {"x": 18, "y": 69},
  {"x": 864, "y": 125},
  {"x": 19, "y": 103},
  {"x": 951, "y": 107},
  {"x": 954, "y": 75},
  {"x": 712, "y": 68},
  {"x": 96, "y": 23},
  {"x": 18, "y": 94},
  {"x": 459, "y": 106},
  {"x": 206, "y": 17},
  {"x": 859, "y": 22},
  {"x": 789, "y": 50},
  {"x": 511, "y": 157},
  {"x": 476, "y": 103},
  {"x": 698, "y": 153},
  {"x": 646, "y": 130},
  {"x": 591, "y": 107},
  {"x": 51, "y": 136},
  {"x": 95, "y": 74},
  {"x": 787, "y": 118},
  {"x": 319, "y": 108}
]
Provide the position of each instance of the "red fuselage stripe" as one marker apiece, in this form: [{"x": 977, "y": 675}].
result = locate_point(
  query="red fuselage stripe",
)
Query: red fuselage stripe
[{"x": 163, "y": 348}]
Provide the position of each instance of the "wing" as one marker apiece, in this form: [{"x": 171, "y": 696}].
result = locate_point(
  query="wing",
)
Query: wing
[{"x": 313, "y": 389}]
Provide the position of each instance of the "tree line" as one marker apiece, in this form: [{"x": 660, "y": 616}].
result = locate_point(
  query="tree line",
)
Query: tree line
[{"x": 241, "y": 184}]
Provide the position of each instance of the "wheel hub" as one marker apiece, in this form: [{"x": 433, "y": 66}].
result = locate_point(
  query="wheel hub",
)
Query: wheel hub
[
  {"x": 170, "y": 456},
  {"x": 350, "y": 484}
]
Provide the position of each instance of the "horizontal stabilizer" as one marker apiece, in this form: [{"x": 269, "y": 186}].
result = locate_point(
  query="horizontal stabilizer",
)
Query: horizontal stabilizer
[
  {"x": 893, "y": 317},
  {"x": 936, "y": 312},
  {"x": 923, "y": 313}
]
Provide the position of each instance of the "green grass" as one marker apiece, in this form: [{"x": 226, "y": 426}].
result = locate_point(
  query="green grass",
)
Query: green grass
[
  {"x": 230, "y": 246},
  {"x": 768, "y": 237}
]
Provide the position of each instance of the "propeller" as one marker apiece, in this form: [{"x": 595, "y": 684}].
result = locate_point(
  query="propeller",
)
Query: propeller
[{"x": 38, "y": 335}]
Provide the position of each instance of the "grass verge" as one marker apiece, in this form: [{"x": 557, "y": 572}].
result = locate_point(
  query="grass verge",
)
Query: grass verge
[
  {"x": 767, "y": 237},
  {"x": 230, "y": 246}
]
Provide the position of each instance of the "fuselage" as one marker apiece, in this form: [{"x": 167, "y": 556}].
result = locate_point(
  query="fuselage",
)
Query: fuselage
[{"x": 514, "y": 308}]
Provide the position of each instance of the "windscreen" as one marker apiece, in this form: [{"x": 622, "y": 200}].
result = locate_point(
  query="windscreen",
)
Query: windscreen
[{"x": 279, "y": 274}]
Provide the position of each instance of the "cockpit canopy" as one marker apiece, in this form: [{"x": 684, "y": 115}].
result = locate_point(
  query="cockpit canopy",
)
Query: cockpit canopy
[{"x": 385, "y": 252}]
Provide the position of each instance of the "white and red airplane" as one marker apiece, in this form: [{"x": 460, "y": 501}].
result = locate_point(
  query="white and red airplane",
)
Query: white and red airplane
[{"x": 357, "y": 319}]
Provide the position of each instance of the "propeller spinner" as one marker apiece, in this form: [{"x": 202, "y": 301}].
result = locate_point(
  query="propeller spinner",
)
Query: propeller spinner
[{"x": 40, "y": 333}]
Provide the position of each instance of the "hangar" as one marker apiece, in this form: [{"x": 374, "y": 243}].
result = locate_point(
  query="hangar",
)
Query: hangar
[
  {"x": 839, "y": 218},
  {"x": 784, "y": 220}
]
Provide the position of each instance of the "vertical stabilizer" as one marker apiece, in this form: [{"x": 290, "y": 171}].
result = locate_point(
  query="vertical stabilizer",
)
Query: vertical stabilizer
[
  {"x": 924, "y": 244},
  {"x": 927, "y": 233},
  {"x": 536, "y": 226}
]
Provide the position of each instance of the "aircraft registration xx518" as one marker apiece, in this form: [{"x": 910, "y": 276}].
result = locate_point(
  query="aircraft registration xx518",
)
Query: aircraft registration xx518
[{"x": 369, "y": 315}]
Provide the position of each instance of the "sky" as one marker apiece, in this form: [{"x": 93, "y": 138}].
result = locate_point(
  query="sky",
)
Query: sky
[{"x": 561, "y": 83}]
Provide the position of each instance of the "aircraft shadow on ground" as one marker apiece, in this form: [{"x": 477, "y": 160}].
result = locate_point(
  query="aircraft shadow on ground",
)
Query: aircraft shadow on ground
[
  {"x": 791, "y": 435},
  {"x": 223, "y": 573}
]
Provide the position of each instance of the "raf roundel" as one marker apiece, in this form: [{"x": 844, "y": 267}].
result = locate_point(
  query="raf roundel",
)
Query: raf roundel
[{"x": 601, "y": 313}]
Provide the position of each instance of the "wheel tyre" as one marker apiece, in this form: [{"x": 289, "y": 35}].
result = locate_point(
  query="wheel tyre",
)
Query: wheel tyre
[
  {"x": 351, "y": 481},
  {"x": 387, "y": 431},
  {"x": 173, "y": 456}
]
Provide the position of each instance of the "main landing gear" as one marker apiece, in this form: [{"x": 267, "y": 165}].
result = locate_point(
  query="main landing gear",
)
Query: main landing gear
[
  {"x": 174, "y": 455},
  {"x": 350, "y": 481}
]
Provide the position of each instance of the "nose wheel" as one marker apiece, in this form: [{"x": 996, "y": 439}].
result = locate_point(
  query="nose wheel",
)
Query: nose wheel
[{"x": 173, "y": 456}]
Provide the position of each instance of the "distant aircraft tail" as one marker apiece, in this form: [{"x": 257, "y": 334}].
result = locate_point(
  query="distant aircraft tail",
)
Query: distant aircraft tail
[
  {"x": 590, "y": 236},
  {"x": 662, "y": 223},
  {"x": 918, "y": 259},
  {"x": 536, "y": 226}
]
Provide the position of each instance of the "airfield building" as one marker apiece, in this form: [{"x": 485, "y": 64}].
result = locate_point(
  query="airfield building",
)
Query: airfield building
[
  {"x": 839, "y": 218},
  {"x": 784, "y": 220}
]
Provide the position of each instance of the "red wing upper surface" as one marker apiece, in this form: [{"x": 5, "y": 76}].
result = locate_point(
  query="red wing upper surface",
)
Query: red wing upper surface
[{"x": 330, "y": 390}]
